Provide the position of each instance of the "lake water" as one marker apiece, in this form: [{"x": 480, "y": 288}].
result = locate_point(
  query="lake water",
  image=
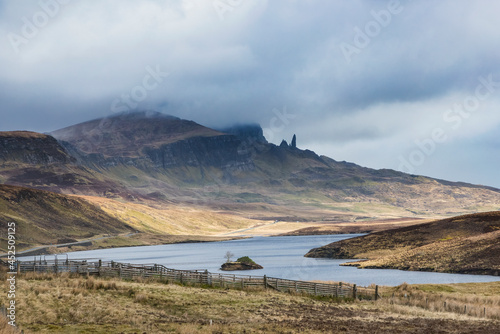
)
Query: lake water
[{"x": 281, "y": 257}]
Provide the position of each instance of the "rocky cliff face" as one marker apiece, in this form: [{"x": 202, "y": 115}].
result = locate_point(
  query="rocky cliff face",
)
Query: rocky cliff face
[
  {"x": 135, "y": 155},
  {"x": 31, "y": 148},
  {"x": 39, "y": 161},
  {"x": 159, "y": 143},
  {"x": 220, "y": 152},
  {"x": 247, "y": 133}
]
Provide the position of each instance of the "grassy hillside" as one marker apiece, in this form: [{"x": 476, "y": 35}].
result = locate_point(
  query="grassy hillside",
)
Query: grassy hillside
[
  {"x": 464, "y": 244},
  {"x": 172, "y": 219},
  {"x": 44, "y": 217},
  {"x": 63, "y": 304}
]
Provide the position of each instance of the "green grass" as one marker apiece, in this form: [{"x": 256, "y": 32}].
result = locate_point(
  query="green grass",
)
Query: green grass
[{"x": 245, "y": 259}]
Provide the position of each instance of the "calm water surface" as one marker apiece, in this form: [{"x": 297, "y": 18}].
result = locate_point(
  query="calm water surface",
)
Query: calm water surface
[{"x": 280, "y": 256}]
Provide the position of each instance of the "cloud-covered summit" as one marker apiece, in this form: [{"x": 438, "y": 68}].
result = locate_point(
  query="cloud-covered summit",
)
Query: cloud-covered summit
[{"x": 281, "y": 64}]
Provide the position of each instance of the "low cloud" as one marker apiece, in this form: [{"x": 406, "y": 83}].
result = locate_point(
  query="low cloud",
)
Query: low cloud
[{"x": 242, "y": 60}]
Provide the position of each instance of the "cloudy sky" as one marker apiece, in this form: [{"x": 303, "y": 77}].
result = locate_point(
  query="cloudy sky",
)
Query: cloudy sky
[{"x": 407, "y": 85}]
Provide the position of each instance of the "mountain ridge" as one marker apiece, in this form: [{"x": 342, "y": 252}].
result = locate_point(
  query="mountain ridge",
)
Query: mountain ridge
[
  {"x": 127, "y": 133},
  {"x": 148, "y": 156}
]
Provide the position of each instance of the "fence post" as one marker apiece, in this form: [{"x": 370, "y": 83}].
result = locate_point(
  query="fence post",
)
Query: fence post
[
  {"x": 209, "y": 281},
  {"x": 376, "y": 292},
  {"x": 18, "y": 269},
  {"x": 205, "y": 277}
]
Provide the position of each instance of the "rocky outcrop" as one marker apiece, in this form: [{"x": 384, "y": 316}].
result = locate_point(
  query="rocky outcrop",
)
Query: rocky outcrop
[
  {"x": 220, "y": 152},
  {"x": 294, "y": 142},
  {"x": 247, "y": 133},
  {"x": 31, "y": 148},
  {"x": 230, "y": 266}
]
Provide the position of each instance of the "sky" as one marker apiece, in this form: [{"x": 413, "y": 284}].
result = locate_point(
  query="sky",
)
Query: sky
[{"x": 406, "y": 85}]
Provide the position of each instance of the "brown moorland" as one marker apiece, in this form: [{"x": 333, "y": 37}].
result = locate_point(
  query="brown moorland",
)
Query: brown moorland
[
  {"x": 71, "y": 304},
  {"x": 463, "y": 244}
]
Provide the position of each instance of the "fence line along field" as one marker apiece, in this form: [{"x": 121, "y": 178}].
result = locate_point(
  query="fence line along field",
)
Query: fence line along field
[
  {"x": 72, "y": 302},
  {"x": 196, "y": 277}
]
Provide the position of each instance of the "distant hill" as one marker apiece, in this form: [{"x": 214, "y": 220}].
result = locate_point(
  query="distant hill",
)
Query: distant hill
[
  {"x": 463, "y": 244},
  {"x": 130, "y": 134},
  {"x": 31, "y": 148},
  {"x": 44, "y": 218},
  {"x": 156, "y": 159},
  {"x": 39, "y": 161}
]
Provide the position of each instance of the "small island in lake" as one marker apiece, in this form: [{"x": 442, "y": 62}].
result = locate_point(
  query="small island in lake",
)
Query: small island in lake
[{"x": 243, "y": 263}]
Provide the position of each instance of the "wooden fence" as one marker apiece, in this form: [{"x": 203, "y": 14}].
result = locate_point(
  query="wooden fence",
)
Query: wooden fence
[{"x": 196, "y": 277}]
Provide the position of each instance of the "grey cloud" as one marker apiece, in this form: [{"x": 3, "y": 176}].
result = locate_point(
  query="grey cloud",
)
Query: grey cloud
[{"x": 264, "y": 55}]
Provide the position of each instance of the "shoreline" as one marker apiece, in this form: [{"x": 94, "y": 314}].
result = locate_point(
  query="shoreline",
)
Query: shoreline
[
  {"x": 485, "y": 272},
  {"x": 119, "y": 242}
]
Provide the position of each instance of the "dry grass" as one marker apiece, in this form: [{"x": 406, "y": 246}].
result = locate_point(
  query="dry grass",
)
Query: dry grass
[
  {"x": 479, "y": 300},
  {"x": 75, "y": 304},
  {"x": 171, "y": 219},
  {"x": 466, "y": 244},
  {"x": 5, "y": 328},
  {"x": 22, "y": 134},
  {"x": 363, "y": 226},
  {"x": 476, "y": 254}
]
